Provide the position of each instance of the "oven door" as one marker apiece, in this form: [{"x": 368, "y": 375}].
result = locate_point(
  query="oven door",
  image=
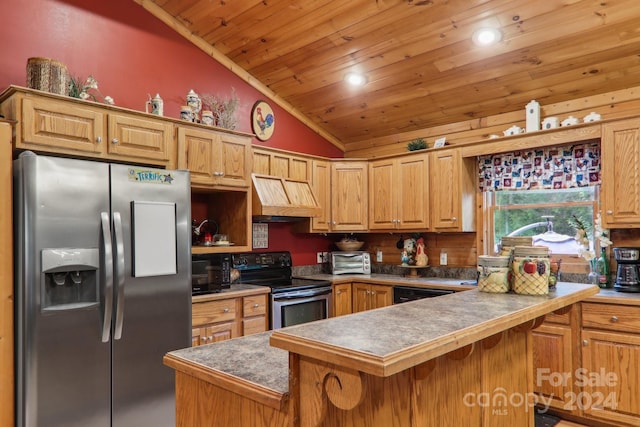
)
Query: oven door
[{"x": 293, "y": 307}]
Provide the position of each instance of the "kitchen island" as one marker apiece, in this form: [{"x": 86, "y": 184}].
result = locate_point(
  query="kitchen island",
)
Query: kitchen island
[{"x": 459, "y": 359}]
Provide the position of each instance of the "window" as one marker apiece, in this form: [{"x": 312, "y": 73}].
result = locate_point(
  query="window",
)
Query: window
[{"x": 545, "y": 214}]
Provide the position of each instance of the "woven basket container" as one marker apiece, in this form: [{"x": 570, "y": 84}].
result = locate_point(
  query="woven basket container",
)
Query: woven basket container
[
  {"x": 531, "y": 270},
  {"x": 493, "y": 274},
  {"x": 48, "y": 75}
]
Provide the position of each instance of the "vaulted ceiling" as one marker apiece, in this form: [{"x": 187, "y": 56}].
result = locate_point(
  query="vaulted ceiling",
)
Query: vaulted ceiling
[{"x": 422, "y": 67}]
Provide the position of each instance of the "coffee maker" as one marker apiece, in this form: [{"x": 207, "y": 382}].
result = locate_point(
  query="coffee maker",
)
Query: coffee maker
[{"x": 628, "y": 273}]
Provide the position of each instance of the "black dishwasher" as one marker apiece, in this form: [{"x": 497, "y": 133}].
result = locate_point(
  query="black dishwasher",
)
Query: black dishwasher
[{"x": 409, "y": 293}]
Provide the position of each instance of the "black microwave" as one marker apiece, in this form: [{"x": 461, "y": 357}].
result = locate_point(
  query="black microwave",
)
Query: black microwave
[{"x": 210, "y": 273}]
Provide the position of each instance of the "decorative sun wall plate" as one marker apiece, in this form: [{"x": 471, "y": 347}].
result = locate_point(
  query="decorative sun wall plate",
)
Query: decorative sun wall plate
[{"x": 263, "y": 121}]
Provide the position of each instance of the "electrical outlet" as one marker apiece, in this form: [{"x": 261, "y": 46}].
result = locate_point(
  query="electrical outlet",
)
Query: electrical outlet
[
  {"x": 322, "y": 257},
  {"x": 378, "y": 255},
  {"x": 443, "y": 258}
]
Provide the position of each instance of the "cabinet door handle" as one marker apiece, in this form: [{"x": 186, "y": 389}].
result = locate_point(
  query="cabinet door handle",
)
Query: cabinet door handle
[
  {"x": 609, "y": 212},
  {"x": 99, "y": 139},
  {"x": 454, "y": 219},
  {"x": 256, "y": 305},
  {"x": 226, "y": 310},
  {"x": 585, "y": 342},
  {"x": 614, "y": 319},
  {"x": 114, "y": 141}
]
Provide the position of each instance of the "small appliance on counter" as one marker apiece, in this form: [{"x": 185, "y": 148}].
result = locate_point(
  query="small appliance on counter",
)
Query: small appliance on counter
[
  {"x": 627, "y": 275},
  {"x": 210, "y": 273},
  {"x": 350, "y": 262}
]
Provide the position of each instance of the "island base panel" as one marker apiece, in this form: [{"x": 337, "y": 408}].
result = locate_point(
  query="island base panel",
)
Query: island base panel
[
  {"x": 202, "y": 404},
  {"x": 487, "y": 383}
]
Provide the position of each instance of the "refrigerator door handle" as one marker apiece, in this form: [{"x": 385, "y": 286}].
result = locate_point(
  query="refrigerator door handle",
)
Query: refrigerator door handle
[
  {"x": 108, "y": 271},
  {"x": 119, "y": 252}
]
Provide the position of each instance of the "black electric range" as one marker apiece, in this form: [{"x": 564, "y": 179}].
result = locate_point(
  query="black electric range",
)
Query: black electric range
[{"x": 273, "y": 269}]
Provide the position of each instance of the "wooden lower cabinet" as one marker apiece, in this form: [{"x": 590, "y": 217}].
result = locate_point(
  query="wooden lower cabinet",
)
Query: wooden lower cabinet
[
  {"x": 254, "y": 314},
  {"x": 611, "y": 363},
  {"x": 555, "y": 352},
  {"x": 342, "y": 299},
  {"x": 587, "y": 364},
  {"x": 218, "y": 320},
  {"x": 367, "y": 296}
]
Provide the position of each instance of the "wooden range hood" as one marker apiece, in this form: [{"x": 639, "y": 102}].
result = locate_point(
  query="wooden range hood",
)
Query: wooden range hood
[{"x": 281, "y": 199}]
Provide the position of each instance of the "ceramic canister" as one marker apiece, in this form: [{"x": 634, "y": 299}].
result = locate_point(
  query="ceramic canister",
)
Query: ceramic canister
[
  {"x": 493, "y": 273},
  {"x": 550, "y": 123},
  {"x": 186, "y": 113},
  {"x": 531, "y": 269},
  {"x": 207, "y": 118}
]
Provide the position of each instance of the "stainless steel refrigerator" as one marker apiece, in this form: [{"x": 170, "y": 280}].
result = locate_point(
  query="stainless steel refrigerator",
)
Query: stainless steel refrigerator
[{"x": 102, "y": 291}]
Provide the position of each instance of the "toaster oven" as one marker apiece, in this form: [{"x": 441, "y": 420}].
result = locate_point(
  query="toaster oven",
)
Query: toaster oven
[{"x": 357, "y": 262}]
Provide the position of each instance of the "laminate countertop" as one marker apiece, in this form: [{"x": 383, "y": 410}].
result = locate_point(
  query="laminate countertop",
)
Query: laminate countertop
[
  {"x": 233, "y": 291},
  {"x": 382, "y": 342},
  {"x": 609, "y": 295},
  {"x": 392, "y": 279}
]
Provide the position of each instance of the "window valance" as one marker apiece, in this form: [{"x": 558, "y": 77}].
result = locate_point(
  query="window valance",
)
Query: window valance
[{"x": 545, "y": 168}]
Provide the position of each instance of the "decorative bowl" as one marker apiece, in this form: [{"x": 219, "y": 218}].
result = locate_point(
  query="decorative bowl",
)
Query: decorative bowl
[{"x": 349, "y": 245}]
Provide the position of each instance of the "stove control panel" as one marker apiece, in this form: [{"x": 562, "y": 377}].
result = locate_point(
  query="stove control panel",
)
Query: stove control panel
[{"x": 261, "y": 260}]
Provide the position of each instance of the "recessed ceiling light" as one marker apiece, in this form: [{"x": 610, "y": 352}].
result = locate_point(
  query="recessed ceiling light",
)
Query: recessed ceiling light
[
  {"x": 487, "y": 36},
  {"x": 355, "y": 79}
]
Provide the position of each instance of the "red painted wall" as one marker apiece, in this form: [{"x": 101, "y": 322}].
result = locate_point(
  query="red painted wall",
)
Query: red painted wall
[{"x": 132, "y": 55}]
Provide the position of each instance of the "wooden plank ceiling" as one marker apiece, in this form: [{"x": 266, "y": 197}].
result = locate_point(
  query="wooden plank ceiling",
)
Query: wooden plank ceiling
[{"x": 423, "y": 69}]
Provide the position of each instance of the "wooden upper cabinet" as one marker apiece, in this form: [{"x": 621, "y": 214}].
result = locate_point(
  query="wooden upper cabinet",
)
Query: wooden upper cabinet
[
  {"x": 234, "y": 160},
  {"x": 453, "y": 189},
  {"x": 140, "y": 138},
  {"x": 620, "y": 190},
  {"x": 213, "y": 158},
  {"x": 321, "y": 186},
  {"x": 73, "y": 127},
  {"x": 349, "y": 196},
  {"x": 281, "y": 164},
  {"x": 50, "y": 124},
  {"x": 399, "y": 193},
  {"x": 383, "y": 194}
]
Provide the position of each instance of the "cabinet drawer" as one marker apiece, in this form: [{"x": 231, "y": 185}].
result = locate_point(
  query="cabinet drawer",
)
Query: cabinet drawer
[
  {"x": 213, "y": 311},
  {"x": 254, "y": 325},
  {"x": 612, "y": 317},
  {"x": 254, "y": 305}
]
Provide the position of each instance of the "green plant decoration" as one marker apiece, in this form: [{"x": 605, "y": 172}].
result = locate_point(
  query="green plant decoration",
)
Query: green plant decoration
[{"x": 416, "y": 144}]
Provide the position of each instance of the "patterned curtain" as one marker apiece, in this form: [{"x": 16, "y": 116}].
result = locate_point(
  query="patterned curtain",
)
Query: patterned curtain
[{"x": 546, "y": 168}]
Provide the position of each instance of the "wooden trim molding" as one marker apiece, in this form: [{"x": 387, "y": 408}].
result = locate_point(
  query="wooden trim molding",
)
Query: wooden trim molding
[{"x": 6, "y": 278}]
